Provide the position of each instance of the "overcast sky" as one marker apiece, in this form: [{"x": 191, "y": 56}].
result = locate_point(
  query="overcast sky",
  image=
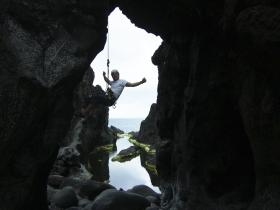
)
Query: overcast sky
[{"x": 131, "y": 49}]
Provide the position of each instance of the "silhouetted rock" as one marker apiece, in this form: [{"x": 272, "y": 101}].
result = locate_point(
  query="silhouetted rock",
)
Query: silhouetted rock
[
  {"x": 90, "y": 189},
  {"x": 75, "y": 208},
  {"x": 153, "y": 208},
  {"x": 127, "y": 154},
  {"x": 71, "y": 182},
  {"x": 143, "y": 190},
  {"x": 46, "y": 46},
  {"x": 148, "y": 132},
  {"x": 84, "y": 202},
  {"x": 121, "y": 200},
  {"x": 153, "y": 200},
  {"x": 116, "y": 130},
  {"x": 65, "y": 198},
  {"x": 55, "y": 180},
  {"x": 67, "y": 163}
]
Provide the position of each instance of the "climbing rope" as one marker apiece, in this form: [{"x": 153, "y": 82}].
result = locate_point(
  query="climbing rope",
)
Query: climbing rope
[
  {"x": 108, "y": 53},
  {"x": 108, "y": 58},
  {"x": 108, "y": 47}
]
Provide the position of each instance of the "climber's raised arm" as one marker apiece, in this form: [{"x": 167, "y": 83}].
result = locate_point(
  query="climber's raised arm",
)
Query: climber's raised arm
[
  {"x": 129, "y": 84},
  {"x": 106, "y": 78}
]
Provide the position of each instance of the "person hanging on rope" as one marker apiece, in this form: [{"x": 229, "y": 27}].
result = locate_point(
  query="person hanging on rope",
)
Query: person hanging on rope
[
  {"x": 112, "y": 94},
  {"x": 117, "y": 85}
]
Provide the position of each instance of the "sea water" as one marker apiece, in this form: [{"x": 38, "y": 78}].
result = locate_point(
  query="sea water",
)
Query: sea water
[{"x": 130, "y": 173}]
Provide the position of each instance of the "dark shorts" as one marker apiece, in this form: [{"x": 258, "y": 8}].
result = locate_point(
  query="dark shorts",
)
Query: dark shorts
[{"x": 102, "y": 99}]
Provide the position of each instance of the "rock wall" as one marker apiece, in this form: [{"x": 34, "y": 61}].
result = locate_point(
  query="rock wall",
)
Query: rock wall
[
  {"x": 217, "y": 101},
  {"x": 148, "y": 133},
  {"x": 89, "y": 129},
  {"x": 45, "y": 48}
]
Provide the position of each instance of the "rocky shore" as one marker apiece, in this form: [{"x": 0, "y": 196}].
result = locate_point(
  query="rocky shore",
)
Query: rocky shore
[
  {"x": 75, "y": 194},
  {"x": 72, "y": 187}
]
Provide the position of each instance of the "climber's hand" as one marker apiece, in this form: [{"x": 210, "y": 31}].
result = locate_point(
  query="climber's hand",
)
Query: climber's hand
[{"x": 144, "y": 80}]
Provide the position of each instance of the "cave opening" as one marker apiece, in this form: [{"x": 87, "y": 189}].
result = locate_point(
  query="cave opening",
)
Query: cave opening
[{"x": 130, "y": 51}]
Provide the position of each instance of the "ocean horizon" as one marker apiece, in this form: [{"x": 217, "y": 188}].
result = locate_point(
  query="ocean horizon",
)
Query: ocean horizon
[{"x": 126, "y": 124}]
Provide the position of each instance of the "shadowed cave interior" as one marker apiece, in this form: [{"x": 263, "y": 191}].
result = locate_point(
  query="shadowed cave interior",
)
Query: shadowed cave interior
[{"x": 216, "y": 120}]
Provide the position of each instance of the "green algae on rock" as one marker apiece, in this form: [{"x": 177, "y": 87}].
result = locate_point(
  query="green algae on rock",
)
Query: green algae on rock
[
  {"x": 146, "y": 147},
  {"x": 127, "y": 154},
  {"x": 107, "y": 147},
  {"x": 151, "y": 167}
]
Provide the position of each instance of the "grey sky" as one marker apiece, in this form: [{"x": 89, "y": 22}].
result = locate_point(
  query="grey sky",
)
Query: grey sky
[{"x": 131, "y": 50}]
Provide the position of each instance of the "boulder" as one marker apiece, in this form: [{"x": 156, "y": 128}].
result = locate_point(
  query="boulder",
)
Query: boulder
[
  {"x": 75, "y": 208},
  {"x": 55, "y": 180},
  {"x": 153, "y": 208},
  {"x": 144, "y": 191},
  {"x": 127, "y": 154},
  {"x": 116, "y": 130},
  {"x": 50, "y": 193},
  {"x": 112, "y": 199},
  {"x": 90, "y": 189},
  {"x": 65, "y": 198},
  {"x": 84, "y": 202},
  {"x": 71, "y": 182},
  {"x": 153, "y": 200}
]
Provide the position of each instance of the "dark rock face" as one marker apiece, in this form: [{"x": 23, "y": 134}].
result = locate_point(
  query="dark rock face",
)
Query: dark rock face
[
  {"x": 217, "y": 101},
  {"x": 148, "y": 132},
  {"x": 45, "y": 48},
  {"x": 89, "y": 130}
]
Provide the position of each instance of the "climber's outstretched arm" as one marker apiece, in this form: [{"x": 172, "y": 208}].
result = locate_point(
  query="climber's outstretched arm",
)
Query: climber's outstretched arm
[
  {"x": 129, "y": 84},
  {"x": 106, "y": 78}
]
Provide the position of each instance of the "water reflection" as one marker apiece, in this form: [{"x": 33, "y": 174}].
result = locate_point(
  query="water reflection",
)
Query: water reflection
[
  {"x": 130, "y": 173},
  {"x": 121, "y": 175}
]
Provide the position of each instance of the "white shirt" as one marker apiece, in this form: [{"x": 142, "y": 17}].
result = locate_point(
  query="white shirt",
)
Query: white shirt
[{"x": 117, "y": 87}]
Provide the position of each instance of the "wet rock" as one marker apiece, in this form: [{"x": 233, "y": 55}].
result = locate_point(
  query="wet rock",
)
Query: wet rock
[
  {"x": 55, "y": 180},
  {"x": 127, "y": 154},
  {"x": 50, "y": 193},
  {"x": 65, "y": 198},
  {"x": 153, "y": 208},
  {"x": 71, "y": 182},
  {"x": 153, "y": 200},
  {"x": 88, "y": 207},
  {"x": 90, "y": 189},
  {"x": 84, "y": 202},
  {"x": 67, "y": 162},
  {"x": 144, "y": 191},
  {"x": 116, "y": 130},
  {"x": 75, "y": 208},
  {"x": 148, "y": 133},
  {"x": 148, "y": 161},
  {"x": 99, "y": 165},
  {"x": 134, "y": 134},
  {"x": 121, "y": 200}
]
